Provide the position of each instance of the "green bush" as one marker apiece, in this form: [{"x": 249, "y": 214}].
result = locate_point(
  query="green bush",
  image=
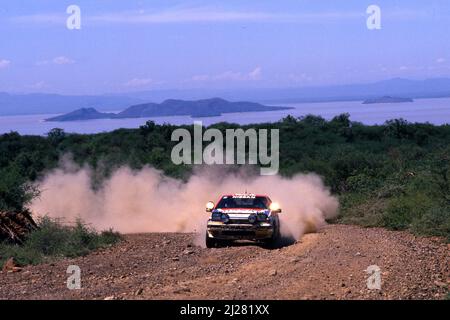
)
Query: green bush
[
  {"x": 15, "y": 191},
  {"x": 435, "y": 221},
  {"x": 403, "y": 210},
  {"x": 52, "y": 239}
]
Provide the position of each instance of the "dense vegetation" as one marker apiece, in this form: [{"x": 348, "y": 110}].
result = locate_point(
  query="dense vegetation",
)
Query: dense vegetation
[
  {"x": 395, "y": 175},
  {"x": 53, "y": 239}
]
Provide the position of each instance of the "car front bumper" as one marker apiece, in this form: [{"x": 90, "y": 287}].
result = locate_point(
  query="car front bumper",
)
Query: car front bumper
[{"x": 227, "y": 231}]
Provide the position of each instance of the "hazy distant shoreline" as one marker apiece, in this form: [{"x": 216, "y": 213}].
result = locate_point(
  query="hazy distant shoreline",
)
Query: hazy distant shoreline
[
  {"x": 435, "y": 111},
  {"x": 39, "y": 103}
]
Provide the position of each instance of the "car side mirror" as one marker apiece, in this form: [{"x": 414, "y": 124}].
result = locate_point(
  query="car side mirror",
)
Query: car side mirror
[{"x": 210, "y": 206}]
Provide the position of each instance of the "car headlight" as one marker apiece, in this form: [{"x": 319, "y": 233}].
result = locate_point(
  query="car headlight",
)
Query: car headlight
[
  {"x": 261, "y": 217},
  {"x": 225, "y": 218},
  {"x": 252, "y": 218}
]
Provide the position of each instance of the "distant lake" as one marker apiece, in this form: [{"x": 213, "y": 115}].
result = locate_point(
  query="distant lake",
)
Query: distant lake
[{"x": 436, "y": 111}]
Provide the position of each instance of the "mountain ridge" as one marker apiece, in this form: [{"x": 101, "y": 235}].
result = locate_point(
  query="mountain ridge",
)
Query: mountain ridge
[{"x": 171, "y": 107}]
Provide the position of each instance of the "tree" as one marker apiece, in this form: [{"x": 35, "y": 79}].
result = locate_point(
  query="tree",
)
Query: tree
[{"x": 15, "y": 191}]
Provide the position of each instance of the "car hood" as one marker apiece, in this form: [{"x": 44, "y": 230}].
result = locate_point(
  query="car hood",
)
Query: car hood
[{"x": 242, "y": 212}]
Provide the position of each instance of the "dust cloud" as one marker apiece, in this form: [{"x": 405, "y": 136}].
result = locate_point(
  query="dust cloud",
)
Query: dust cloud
[{"x": 148, "y": 201}]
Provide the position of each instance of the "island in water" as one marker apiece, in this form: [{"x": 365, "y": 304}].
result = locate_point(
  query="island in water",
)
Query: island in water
[
  {"x": 199, "y": 108},
  {"x": 387, "y": 99}
]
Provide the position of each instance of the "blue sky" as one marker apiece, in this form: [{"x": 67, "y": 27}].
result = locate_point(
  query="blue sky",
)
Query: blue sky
[{"x": 143, "y": 45}]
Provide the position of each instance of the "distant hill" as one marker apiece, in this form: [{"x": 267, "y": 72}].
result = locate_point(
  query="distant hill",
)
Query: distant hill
[
  {"x": 200, "y": 108},
  {"x": 83, "y": 114},
  {"x": 387, "y": 99}
]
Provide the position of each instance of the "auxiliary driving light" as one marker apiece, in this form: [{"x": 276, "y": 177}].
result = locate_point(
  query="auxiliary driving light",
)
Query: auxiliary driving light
[
  {"x": 216, "y": 216},
  {"x": 261, "y": 217},
  {"x": 225, "y": 218}
]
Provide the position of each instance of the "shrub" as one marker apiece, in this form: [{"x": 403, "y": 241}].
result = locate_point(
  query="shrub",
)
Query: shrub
[
  {"x": 15, "y": 191},
  {"x": 53, "y": 239},
  {"x": 435, "y": 221},
  {"x": 403, "y": 210}
]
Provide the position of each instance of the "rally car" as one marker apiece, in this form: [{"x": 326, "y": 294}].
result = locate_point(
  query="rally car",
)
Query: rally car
[{"x": 242, "y": 217}]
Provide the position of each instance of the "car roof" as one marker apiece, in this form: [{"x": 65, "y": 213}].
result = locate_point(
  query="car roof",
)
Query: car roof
[{"x": 250, "y": 194}]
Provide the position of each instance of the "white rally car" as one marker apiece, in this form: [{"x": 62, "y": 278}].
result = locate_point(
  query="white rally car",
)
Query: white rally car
[{"x": 242, "y": 217}]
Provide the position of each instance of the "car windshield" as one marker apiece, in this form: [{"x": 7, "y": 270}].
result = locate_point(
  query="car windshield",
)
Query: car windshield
[{"x": 236, "y": 202}]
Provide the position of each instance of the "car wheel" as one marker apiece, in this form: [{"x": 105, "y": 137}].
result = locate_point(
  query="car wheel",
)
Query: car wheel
[
  {"x": 223, "y": 243},
  {"x": 210, "y": 242},
  {"x": 272, "y": 241}
]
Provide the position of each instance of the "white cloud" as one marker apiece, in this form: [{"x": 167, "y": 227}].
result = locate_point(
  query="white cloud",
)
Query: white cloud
[
  {"x": 180, "y": 15},
  {"x": 4, "y": 63},
  {"x": 38, "y": 85},
  {"x": 193, "y": 14},
  {"x": 63, "y": 60},
  {"x": 137, "y": 82},
  {"x": 212, "y": 14},
  {"x": 42, "y": 63},
  {"x": 440, "y": 60},
  {"x": 254, "y": 75},
  {"x": 299, "y": 78},
  {"x": 201, "y": 77},
  {"x": 43, "y": 18}
]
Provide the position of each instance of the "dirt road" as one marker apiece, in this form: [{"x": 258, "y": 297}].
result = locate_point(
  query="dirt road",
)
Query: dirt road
[{"x": 329, "y": 264}]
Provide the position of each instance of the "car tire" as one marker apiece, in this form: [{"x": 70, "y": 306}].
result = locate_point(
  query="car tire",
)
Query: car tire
[
  {"x": 272, "y": 241},
  {"x": 210, "y": 242},
  {"x": 223, "y": 243}
]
